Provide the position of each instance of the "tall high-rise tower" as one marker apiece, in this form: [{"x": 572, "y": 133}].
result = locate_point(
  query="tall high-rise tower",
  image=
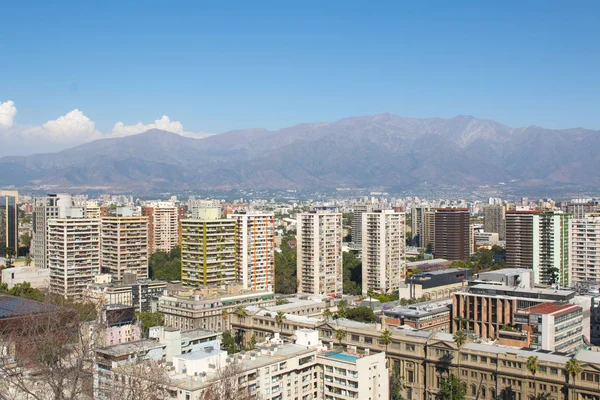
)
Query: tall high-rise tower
[
  {"x": 255, "y": 249},
  {"x": 163, "y": 225},
  {"x": 419, "y": 224},
  {"x": 9, "y": 222},
  {"x": 357, "y": 212},
  {"x": 584, "y": 257},
  {"x": 383, "y": 251},
  {"x": 452, "y": 233},
  {"x": 319, "y": 247},
  {"x": 494, "y": 220},
  {"x": 44, "y": 209}
]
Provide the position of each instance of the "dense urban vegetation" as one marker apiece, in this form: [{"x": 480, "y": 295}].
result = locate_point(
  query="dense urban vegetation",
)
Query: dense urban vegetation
[
  {"x": 148, "y": 320},
  {"x": 165, "y": 266},
  {"x": 285, "y": 267}
]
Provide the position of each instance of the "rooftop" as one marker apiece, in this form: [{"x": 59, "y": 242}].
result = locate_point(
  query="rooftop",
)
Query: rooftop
[
  {"x": 340, "y": 356},
  {"x": 13, "y": 306},
  {"x": 550, "y": 308},
  {"x": 123, "y": 349}
]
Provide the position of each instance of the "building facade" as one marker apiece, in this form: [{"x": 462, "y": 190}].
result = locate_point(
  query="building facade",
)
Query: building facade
[
  {"x": 124, "y": 246},
  {"x": 494, "y": 220},
  {"x": 9, "y": 222},
  {"x": 452, "y": 233},
  {"x": 45, "y": 208},
  {"x": 357, "y": 212},
  {"x": 419, "y": 224},
  {"x": 584, "y": 250},
  {"x": 319, "y": 247},
  {"x": 208, "y": 252},
  {"x": 383, "y": 251},
  {"x": 163, "y": 225},
  {"x": 73, "y": 254},
  {"x": 255, "y": 249}
]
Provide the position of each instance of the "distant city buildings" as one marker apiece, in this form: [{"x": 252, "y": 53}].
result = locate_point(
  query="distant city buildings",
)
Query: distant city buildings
[
  {"x": 319, "y": 259},
  {"x": 383, "y": 251}
]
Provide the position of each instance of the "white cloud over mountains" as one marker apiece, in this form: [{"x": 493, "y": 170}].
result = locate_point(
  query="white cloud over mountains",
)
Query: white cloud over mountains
[
  {"x": 74, "y": 128},
  {"x": 7, "y": 113}
]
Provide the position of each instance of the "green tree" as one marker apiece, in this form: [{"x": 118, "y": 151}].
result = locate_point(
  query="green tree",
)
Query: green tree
[
  {"x": 340, "y": 335},
  {"x": 573, "y": 368},
  {"x": 352, "y": 273},
  {"x": 460, "y": 339},
  {"x": 285, "y": 267},
  {"x": 148, "y": 320},
  {"x": 28, "y": 260},
  {"x": 281, "y": 301},
  {"x": 362, "y": 314},
  {"x": 327, "y": 314},
  {"x": 279, "y": 318},
  {"x": 533, "y": 366},
  {"x": 165, "y": 266},
  {"x": 23, "y": 290},
  {"x": 396, "y": 383},
  {"x": 386, "y": 339},
  {"x": 342, "y": 309},
  {"x": 452, "y": 388},
  {"x": 228, "y": 342},
  {"x": 251, "y": 344}
]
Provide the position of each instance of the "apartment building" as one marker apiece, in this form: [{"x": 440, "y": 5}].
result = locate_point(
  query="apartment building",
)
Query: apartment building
[
  {"x": 255, "y": 249},
  {"x": 418, "y": 224},
  {"x": 349, "y": 376},
  {"x": 584, "y": 250},
  {"x": 579, "y": 210},
  {"x": 9, "y": 222},
  {"x": 45, "y": 208},
  {"x": 319, "y": 247},
  {"x": 452, "y": 233},
  {"x": 211, "y": 312},
  {"x": 163, "y": 225},
  {"x": 383, "y": 251},
  {"x": 539, "y": 240},
  {"x": 357, "y": 212},
  {"x": 124, "y": 240},
  {"x": 208, "y": 252},
  {"x": 494, "y": 220},
  {"x": 73, "y": 254}
]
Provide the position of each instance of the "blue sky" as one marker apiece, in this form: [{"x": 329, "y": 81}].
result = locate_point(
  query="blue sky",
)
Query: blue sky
[{"x": 218, "y": 66}]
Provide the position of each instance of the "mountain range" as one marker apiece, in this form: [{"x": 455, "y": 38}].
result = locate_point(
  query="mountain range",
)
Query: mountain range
[{"x": 383, "y": 150}]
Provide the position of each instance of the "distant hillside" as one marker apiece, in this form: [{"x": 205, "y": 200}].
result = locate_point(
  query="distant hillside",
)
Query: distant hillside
[{"x": 381, "y": 150}]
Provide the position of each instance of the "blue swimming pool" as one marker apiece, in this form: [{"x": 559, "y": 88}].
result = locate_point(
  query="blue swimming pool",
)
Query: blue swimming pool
[{"x": 341, "y": 356}]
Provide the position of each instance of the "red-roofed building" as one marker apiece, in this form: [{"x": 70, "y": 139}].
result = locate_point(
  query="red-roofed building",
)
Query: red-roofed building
[{"x": 547, "y": 326}]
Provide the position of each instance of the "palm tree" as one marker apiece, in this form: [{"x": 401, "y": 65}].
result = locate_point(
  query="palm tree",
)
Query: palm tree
[
  {"x": 370, "y": 293},
  {"x": 342, "y": 309},
  {"x": 459, "y": 338},
  {"x": 573, "y": 368},
  {"x": 462, "y": 323},
  {"x": 533, "y": 366},
  {"x": 279, "y": 318},
  {"x": 386, "y": 339},
  {"x": 340, "y": 335},
  {"x": 240, "y": 311},
  {"x": 327, "y": 314}
]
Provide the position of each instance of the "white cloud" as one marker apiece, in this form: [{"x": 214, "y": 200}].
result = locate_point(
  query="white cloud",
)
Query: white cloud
[
  {"x": 72, "y": 128},
  {"x": 164, "y": 123},
  {"x": 7, "y": 113}
]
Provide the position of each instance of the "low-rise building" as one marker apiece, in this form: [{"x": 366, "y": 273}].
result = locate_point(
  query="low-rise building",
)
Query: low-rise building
[
  {"x": 515, "y": 277},
  {"x": 546, "y": 326},
  {"x": 38, "y": 278},
  {"x": 141, "y": 293},
  {"x": 211, "y": 312},
  {"x": 435, "y": 285},
  {"x": 428, "y": 316}
]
